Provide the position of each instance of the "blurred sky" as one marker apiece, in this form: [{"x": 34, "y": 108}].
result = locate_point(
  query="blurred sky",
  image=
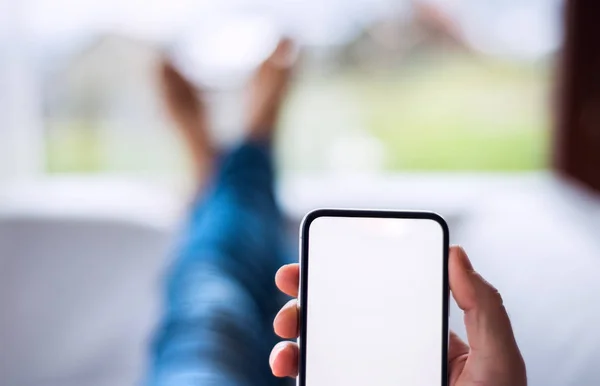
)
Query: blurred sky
[{"x": 527, "y": 28}]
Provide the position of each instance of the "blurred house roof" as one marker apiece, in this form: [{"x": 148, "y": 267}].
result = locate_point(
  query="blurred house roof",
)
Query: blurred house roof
[{"x": 113, "y": 74}]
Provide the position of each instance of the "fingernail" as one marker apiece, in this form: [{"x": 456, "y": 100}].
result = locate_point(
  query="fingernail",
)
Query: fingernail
[{"x": 464, "y": 258}]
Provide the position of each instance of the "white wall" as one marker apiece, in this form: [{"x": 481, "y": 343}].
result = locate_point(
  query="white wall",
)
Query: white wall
[{"x": 21, "y": 147}]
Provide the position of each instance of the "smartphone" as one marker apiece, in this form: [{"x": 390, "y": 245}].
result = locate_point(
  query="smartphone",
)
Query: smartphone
[{"x": 373, "y": 298}]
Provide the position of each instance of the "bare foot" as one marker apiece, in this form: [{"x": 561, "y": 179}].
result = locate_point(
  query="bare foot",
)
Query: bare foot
[
  {"x": 267, "y": 91},
  {"x": 185, "y": 105}
]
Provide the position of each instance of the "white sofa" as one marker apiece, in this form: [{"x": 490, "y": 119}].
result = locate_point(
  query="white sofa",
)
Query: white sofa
[
  {"x": 81, "y": 261},
  {"x": 80, "y": 268}
]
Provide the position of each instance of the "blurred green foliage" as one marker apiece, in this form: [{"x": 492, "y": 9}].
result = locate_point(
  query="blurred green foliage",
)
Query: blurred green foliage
[{"x": 462, "y": 114}]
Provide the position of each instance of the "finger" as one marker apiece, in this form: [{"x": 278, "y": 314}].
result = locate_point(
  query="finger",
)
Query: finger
[
  {"x": 286, "y": 321},
  {"x": 456, "y": 347},
  {"x": 458, "y": 352},
  {"x": 284, "y": 359},
  {"x": 288, "y": 279},
  {"x": 487, "y": 323}
]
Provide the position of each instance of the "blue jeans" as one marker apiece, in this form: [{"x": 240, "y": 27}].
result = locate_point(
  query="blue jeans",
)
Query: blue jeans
[{"x": 221, "y": 296}]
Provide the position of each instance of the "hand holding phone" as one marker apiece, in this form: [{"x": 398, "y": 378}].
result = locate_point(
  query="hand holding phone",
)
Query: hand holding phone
[{"x": 493, "y": 358}]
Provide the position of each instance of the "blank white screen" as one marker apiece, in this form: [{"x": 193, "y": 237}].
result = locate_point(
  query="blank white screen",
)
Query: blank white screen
[{"x": 375, "y": 302}]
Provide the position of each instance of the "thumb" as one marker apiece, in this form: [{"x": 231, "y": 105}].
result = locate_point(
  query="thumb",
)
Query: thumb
[{"x": 488, "y": 326}]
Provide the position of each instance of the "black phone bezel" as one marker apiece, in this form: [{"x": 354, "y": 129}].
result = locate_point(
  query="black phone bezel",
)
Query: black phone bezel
[{"x": 353, "y": 213}]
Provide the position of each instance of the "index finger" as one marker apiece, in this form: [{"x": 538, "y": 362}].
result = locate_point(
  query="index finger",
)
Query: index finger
[{"x": 288, "y": 279}]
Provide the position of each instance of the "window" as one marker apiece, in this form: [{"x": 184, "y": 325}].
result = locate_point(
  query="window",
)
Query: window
[{"x": 382, "y": 86}]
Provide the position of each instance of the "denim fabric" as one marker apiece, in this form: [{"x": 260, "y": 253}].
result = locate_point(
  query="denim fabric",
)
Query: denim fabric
[{"x": 220, "y": 294}]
